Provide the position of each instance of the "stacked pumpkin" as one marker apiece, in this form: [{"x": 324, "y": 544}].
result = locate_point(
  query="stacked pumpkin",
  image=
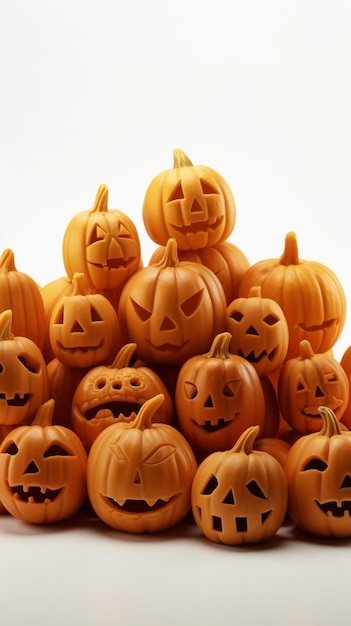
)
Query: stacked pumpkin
[{"x": 194, "y": 382}]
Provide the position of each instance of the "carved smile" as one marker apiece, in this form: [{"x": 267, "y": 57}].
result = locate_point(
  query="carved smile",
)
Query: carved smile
[
  {"x": 16, "y": 400},
  {"x": 334, "y": 509},
  {"x": 139, "y": 506},
  {"x": 198, "y": 227},
  {"x": 113, "y": 408},
  {"x": 210, "y": 427},
  {"x": 315, "y": 327},
  {"x": 252, "y": 358},
  {"x": 113, "y": 264},
  {"x": 81, "y": 348},
  {"x": 35, "y": 494}
]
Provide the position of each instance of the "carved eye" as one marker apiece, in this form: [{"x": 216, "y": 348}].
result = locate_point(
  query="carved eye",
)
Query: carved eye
[
  {"x": 29, "y": 363},
  {"x": 270, "y": 320},
  {"x": 124, "y": 232},
  {"x": 95, "y": 315},
  {"x": 301, "y": 385},
  {"x": 190, "y": 390},
  {"x": 254, "y": 488},
  {"x": 190, "y": 305},
  {"x": 207, "y": 188},
  {"x": 237, "y": 316},
  {"x": 97, "y": 234},
  {"x": 230, "y": 388},
  {"x": 177, "y": 193},
  {"x": 315, "y": 464},
  {"x": 210, "y": 486},
  {"x": 55, "y": 450},
  {"x": 161, "y": 454},
  {"x": 11, "y": 449},
  {"x": 141, "y": 312}
]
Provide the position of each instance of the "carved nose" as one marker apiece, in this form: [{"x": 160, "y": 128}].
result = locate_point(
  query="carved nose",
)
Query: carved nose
[
  {"x": 195, "y": 207},
  {"x": 32, "y": 468},
  {"x": 167, "y": 324},
  {"x": 137, "y": 479},
  {"x": 77, "y": 328}
]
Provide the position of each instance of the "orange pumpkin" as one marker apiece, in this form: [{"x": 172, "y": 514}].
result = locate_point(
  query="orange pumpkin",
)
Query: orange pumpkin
[
  {"x": 63, "y": 382},
  {"x": 51, "y": 293},
  {"x": 309, "y": 293},
  {"x": 103, "y": 244},
  {"x": 191, "y": 203},
  {"x": 42, "y": 470},
  {"x": 172, "y": 309},
  {"x": 239, "y": 496},
  {"x": 345, "y": 362},
  {"x": 140, "y": 473}
]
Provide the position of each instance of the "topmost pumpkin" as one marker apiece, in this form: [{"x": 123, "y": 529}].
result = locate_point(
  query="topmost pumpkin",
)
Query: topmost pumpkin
[
  {"x": 103, "y": 244},
  {"x": 191, "y": 203}
]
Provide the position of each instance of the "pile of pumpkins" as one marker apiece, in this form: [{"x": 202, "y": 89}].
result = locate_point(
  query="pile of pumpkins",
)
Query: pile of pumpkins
[{"x": 196, "y": 384}]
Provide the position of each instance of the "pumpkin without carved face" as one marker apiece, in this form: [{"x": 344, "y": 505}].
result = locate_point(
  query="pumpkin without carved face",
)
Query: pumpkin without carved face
[
  {"x": 42, "y": 470},
  {"x": 240, "y": 495},
  {"x": 139, "y": 474},
  {"x": 191, "y": 203}
]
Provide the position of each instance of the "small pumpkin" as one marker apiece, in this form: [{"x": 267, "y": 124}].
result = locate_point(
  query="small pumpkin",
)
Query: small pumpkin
[
  {"x": 191, "y": 203},
  {"x": 239, "y": 496},
  {"x": 140, "y": 473},
  {"x": 318, "y": 470},
  {"x": 42, "y": 470}
]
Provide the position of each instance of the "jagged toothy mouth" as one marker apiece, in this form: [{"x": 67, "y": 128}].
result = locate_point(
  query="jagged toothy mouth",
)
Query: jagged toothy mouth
[
  {"x": 252, "y": 358},
  {"x": 198, "y": 227},
  {"x": 113, "y": 264},
  {"x": 17, "y": 399},
  {"x": 115, "y": 409},
  {"x": 35, "y": 494},
  {"x": 334, "y": 509},
  {"x": 81, "y": 349},
  {"x": 211, "y": 427},
  {"x": 139, "y": 506}
]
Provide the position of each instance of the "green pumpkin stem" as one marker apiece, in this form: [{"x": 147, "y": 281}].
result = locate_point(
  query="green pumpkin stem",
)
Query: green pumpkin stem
[
  {"x": 220, "y": 346},
  {"x": 306, "y": 351},
  {"x": 6, "y": 325},
  {"x": 180, "y": 159},
  {"x": 124, "y": 356},
  {"x": 331, "y": 425},
  {"x": 246, "y": 440},
  {"x": 7, "y": 261},
  {"x": 101, "y": 200},
  {"x": 290, "y": 255},
  {"x": 146, "y": 413},
  {"x": 170, "y": 255},
  {"x": 45, "y": 414},
  {"x": 78, "y": 284}
]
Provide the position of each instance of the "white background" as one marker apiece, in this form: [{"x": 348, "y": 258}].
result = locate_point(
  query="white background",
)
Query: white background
[{"x": 101, "y": 92}]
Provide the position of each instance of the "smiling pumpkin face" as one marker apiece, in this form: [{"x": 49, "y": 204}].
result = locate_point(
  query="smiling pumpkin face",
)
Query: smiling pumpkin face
[{"x": 139, "y": 474}]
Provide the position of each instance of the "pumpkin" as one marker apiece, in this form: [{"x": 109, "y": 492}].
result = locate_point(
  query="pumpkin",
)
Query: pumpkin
[
  {"x": 239, "y": 496},
  {"x": 318, "y": 469},
  {"x": 84, "y": 329},
  {"x": 63, "y": 382},
  {"x": 225, "y": 259},
  {"x": 274, "y": 446},
  {"x": 140, "y": 473},
  {"x": 51, "y": 293},
  {"x": 108, "y": 394},
  {"x": 307, "y": 381},
  {"x": 309, "y": 293},
  {"x": 345, "y": 362},
  {"x": 218, "y": 395},
  {"x": 172, "y": 309},
  {"x": 42, "y": 470},
  {"x": 259, "y": 331},
  {"x": 103, "y": 244},
  {"x": 190, "y": 203},
  {"x": 24, "y": 382},
  {"x": 20, "y": 293}
]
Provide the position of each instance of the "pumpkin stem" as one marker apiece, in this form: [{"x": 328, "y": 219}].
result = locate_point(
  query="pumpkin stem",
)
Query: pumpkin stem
[
  {"x": 255, "y": 291},
  {"x": 78, "y": 284},
  {"x": 220, "y": 346},
  {"x": 246, "y": 440},
  {"x": 306, "y": 351},
  {"x": 124, "y": 356},
  {"x": 180, "y": 159},
  {"x": 101, "y": 200},
  {"x": 331, "y": 425},
  {"x": 7, "y": 261},
  {"x": 146, "y": 412},
  {"x": 6, "y": 324},
  {"x": 290, "y": 255},
  {"x": 170, "y": 255},
  {"x": 45, "y": 414}
]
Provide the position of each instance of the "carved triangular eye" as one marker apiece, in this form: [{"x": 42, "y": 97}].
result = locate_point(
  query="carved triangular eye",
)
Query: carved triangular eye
[
  {"x": 207, "y": 188},
  {"x": 95, "y": 315},
  {"x": 123, "y": 231},
  {"x": 190, "y": 390},
  {"x": 29, "y": 363},
  {"x": 254, "y": 488},
  {"x": 141, "y": 312},
  {"x": 97, "y": 234},
  {"x": 300, "y": 384},
  {"x": 315, "y": 464},
  {"x": 210, "y": 486},
  {"x": 230, "y": 388},
  {"x": 177, "y": 193},
  {"x": 190, "y": 305}
]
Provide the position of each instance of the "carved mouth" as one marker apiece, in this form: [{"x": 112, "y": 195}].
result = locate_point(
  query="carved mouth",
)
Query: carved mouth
[
  {"x": 255, "y": 359},
  {"x": 312, "y": 411},
  {"x": 115, "y": 409},
  {"x": 210, "y": 427},
  {"x": 334, "y": 509},
  {"x": 16, "y": 400},
  {"x": 198, "y": 227},
  {"x": 240, "y": 522},
  {"x": 81, "y": 349},
  {"x": 139, "y": 506},
  {"x": 315, "y": 327},
  {"x": 35, "y": 494},
  {"x": 113, "y": 264},
  {"x": 168, "y": 347}
]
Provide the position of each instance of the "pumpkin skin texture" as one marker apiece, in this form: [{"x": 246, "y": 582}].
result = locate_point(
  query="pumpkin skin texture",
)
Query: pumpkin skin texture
[
  {"x": 24, "y": 381},
  {"x": 20, "y": 293},
  {"x": 140, "y": 474},
  {"x": 42, "y": 470},
  {"x": 103, "y": 244},
  {"x": 109, "y": 394},
  {"x": 190, "y": 203},
  {"x": 218, "y": 395},
  {"x": 172, "y": 309},
  {"x": 84, "y": 329},
  {"x": 239, "y": 496},
  {"x": 307, "y": 381},
  {"x": 51, "y": 294},
  {"x": 346, "y": 365},
  {"x": 259, "y": 331},
  {"x": 63, "y": 381},
  {"x": 318, "y": 469},
  {"x": 309, "y": 293}
]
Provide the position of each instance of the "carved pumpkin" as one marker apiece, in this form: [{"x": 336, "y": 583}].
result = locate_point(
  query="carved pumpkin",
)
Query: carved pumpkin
[
  {"x": 309, "y": 293},
  {"x": 24, "y": 382},
  {"x": 218, "y": 395},
  {"x": 318, "y": 469},
  {"x": 51, "y": 293},
  {"x": 345, "y": 362},
  {"x": 239, "y": 496},
  {"x": 108, "y": 394},
  {"x": 42, "y": 470},
  {"x": 307, "y": 381},
  {"x": 140, "y": 473},
  {"x": 259, "y": 331},
  {"x": 190, "y": 203},
  {"x": 103, "y": 244},
  {"x": 84, "y": 329},
  {"x": 172, "y": 309}
]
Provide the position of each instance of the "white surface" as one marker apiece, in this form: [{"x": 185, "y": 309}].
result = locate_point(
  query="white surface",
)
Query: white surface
[{"x": 102, "y": 91}]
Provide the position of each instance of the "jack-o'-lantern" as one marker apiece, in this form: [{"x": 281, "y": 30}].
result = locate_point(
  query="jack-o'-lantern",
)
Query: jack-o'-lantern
[
  {"x": 309, "y": 293},
  {"x": 108, "y": 394},
  {"x": 103, "y": 244},
  {"x": 84, "y": 329},
  {"x": 42, "y": 470},
  {"x": 218, "y": 395},
  {"x": 318, "y": 469},
  {"x": 190, "y": 203},
  {"x": 259, "y": 331},
  {"x": 307, "y": 381},
  {"x": 140, "y": 473},
  {"x": 172, "y": 309},
  {"x": 345, "y": 362},
  {"x": 239, "y": 496},
  {"x": 24, "y": 382}
]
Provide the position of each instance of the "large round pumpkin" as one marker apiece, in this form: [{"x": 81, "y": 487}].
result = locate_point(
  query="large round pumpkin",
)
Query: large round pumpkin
[{"x": 190, "y": 203}]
